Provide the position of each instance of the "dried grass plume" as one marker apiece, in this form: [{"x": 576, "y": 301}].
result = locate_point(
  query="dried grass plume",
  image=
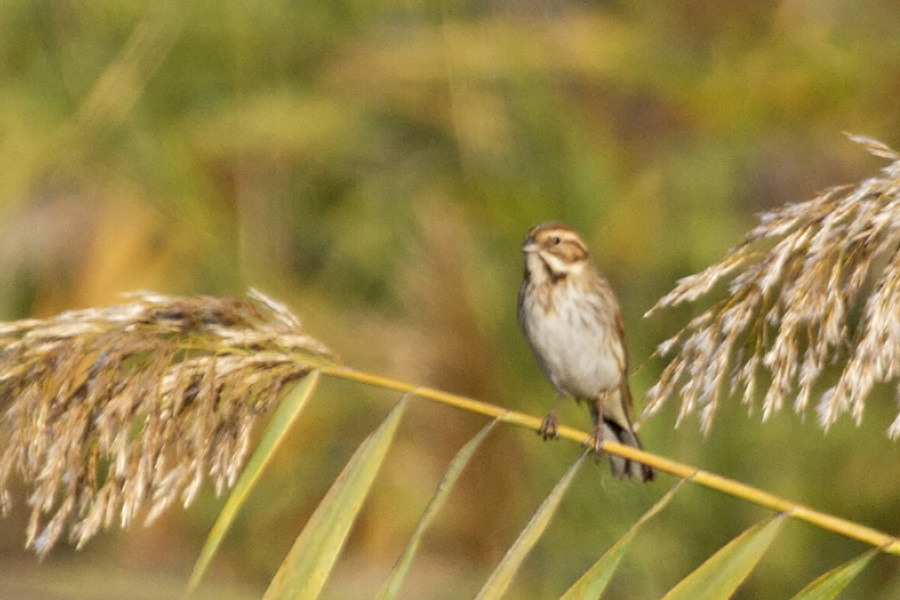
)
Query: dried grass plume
[
  {"x": 793, "y": 308},
  {"x": 118, "y": 409}
]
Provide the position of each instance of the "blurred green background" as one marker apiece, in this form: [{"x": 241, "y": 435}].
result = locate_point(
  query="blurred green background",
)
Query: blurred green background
[{"x": 376, "y": 165}]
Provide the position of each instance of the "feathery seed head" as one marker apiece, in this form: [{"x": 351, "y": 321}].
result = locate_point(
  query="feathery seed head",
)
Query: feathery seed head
[
  {"x": 114, "y": 410},
  {"x": 791, "y": 309}
]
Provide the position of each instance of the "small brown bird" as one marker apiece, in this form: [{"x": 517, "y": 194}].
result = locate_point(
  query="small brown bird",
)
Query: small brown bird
[{"x": 572, "y": 322}]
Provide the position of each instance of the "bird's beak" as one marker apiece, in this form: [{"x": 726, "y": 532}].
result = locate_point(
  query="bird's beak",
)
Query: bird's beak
[{"x": 529, "y": 246}]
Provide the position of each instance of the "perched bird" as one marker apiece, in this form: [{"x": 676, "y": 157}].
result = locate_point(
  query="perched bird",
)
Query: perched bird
[{"x": 572, "y": 322}]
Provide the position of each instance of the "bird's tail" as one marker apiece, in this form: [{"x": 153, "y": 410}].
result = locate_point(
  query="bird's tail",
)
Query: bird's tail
[
  {"x": 624, "y": 468},
  {"x": 617, "y": 427}
]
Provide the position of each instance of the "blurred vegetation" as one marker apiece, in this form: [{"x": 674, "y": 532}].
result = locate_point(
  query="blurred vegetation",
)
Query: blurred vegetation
[{"x": 375, "y": 165}]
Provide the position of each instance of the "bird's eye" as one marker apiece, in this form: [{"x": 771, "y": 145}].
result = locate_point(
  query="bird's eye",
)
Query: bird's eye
[{"x": 555, "y": 240}]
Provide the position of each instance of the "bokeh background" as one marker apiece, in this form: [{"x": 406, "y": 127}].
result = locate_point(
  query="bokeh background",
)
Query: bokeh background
[{"x": 375, "y": 165}]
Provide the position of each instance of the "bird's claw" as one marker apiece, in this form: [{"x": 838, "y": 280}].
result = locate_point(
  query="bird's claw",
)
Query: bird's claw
[
  {"x": 548, "y": 428},
  {"x": 595, "y": 441}
]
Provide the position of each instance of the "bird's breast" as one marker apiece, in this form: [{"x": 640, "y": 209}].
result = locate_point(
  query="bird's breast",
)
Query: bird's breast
[{"x": 574, "y": 339}]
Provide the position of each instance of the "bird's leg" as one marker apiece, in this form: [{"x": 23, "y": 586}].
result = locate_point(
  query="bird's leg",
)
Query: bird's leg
[
  {"x": 548, "y": 425},
  {"x": 596, "y": 440}
]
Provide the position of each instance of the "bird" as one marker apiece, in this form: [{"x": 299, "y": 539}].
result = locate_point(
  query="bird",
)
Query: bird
[{"x": 572, "y": 322}]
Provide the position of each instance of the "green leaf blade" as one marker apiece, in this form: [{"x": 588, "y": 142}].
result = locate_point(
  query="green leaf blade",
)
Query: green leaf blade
[
  {"x": 721, "y": 574},
  {"x": 308, "y": 564},
  {"x": 832, "y": 583},
  {"x": 395, "y": 580},
  {"x": 594, "y": 581},
  {"x": 502, "y": 576},
  {"x": 283, "y": 418}
]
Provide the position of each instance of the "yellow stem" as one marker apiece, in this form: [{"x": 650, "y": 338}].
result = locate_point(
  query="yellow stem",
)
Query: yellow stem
[{"x": 873, "y": 537}]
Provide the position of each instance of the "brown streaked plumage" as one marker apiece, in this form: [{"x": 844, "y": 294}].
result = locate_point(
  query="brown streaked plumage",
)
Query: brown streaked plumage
[{"x": 572, "y": 322}]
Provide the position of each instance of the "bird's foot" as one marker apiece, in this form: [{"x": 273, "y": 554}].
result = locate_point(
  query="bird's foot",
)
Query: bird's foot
[
  {"x": 548, "y": 428},
  {"x": 595, "y": 441}
]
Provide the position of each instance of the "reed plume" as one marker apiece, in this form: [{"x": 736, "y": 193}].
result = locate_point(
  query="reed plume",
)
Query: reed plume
[
  {"x": 118, "y": 409},
  {"x": 793, "y": 308}
]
